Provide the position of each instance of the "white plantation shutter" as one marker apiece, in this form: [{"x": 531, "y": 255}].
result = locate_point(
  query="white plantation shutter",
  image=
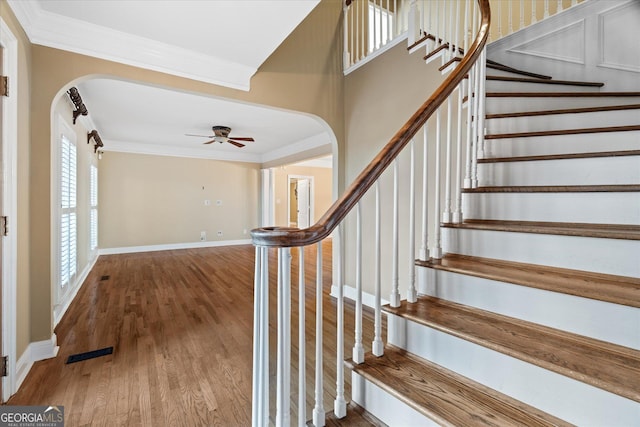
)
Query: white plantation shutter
[
  {"x": 68, "y": 214},
  {"x": 93, "y": 219}
]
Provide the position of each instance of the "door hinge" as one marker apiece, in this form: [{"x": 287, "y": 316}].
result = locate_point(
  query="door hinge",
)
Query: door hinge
[
  {"x": 5, "y": 226},
  {"x": 3, "y": 368},
  {"x": 4, "y": 86}
]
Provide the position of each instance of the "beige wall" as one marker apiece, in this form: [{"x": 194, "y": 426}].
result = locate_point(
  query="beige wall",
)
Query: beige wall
[
  {"x": 323, "y": 182},
  {"x": 155, "y": 200},
  {"x": 377, "y": 105},
  {"x": 21, "y": 224},
  {"x": 303, "y": 74}
]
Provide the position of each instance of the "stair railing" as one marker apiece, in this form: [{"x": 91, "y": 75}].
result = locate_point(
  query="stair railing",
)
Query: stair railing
[{"x": 468, "y": 39}]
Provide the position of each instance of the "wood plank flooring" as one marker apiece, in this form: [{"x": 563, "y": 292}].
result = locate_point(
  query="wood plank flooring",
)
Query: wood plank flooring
[{"x": 181, "y": 326}]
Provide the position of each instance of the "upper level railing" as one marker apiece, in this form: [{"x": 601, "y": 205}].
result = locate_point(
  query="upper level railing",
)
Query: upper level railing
[
  {"x": 474, "y": 22},
  {"x": 370, "y": 26}
]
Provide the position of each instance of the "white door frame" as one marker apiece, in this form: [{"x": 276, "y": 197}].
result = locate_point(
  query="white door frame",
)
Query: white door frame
[
  {"x": 311, "y": 196},
  {"x": 10, "y": 207}
]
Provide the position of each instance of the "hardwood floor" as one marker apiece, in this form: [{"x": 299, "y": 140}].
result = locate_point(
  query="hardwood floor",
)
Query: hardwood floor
[{"x": 181, "y": 326}]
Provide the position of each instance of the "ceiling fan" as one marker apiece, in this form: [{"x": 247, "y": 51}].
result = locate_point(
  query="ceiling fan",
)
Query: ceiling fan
[{"x": 221, "y": 135}]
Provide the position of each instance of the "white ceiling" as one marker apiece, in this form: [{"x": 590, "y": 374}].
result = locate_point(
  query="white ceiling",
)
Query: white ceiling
[{"x": 217, "y": 41}]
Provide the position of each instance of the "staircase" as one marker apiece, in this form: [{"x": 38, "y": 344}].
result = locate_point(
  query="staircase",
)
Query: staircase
[{"x": 537, "y": 296}]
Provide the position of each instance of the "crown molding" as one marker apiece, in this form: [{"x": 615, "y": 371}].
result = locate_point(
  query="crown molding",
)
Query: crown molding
[
  {"x": 60, "y": 32},
  {"x": 167, "y": 150},
  {"x": 309, "y": 143}
]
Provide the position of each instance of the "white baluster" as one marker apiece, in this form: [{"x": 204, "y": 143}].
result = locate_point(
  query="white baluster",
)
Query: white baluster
[
  {"x": 574, "y": 2},
  {"x": 510, "y": 12},
  {"x": 436, "y": 252},
  {"x": 377, "y": 347},
  {"x": 457, "y": 31},
  {"x": 481, "y": 102},
  {"x": 534, "y": 11},
  {"x": 546, "y": 9},
  {"x": 446, "y": 214},
  {"x": 377, "y": 16},
  {"x": 465, "y": 37},
  {"x": 476, "y": 127},
  {"x": 346, "y": 61},
  {"x": 396, "y": 25},
  {"x": 358, "y": 349},
  {"x": 457, "y": 213},
  {"x": 436, "y": 30},
  {"x": 499, "y": 10},
  {"x": 389, "y": 25},
  {"x": 412, "y": 295},
  {"x": 559, "y": 6},
  {"x": 394, "y": 299},
  {"x": 260, "y": 395},
  {"x": 414, "y": 27},
  {"x": 424, "y": 251},
  {"x": 283, "y": 367},
  {"x": 302, "y": 346},
  {"x": 451, "y": 29},
  {"x": 521, "y": 14},
  {"x": 340, "y": 404},
  {"x": 318, "y": 410},
  {"x": 470, "y": 126}
]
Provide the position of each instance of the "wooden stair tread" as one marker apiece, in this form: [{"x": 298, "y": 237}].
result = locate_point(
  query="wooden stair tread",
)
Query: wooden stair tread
[
  {"x": 565, "y": 111},
  {"x": 609, "y": 231},
  {"x": 503, "y": 68},
  {"x": 544, "y": 81},
  {"x": 563, "y": 132},
  {"x": 598, "y": 286},
  {"x": 604, "y": 365},
  {"x": 566, "y": 156},
  {"x": 444, "y": 396},
  {"x": 558, "y": 94}
]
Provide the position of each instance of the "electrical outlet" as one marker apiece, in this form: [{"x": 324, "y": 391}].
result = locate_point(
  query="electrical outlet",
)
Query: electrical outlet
[
  {"x": 203, "y": 236},
  {"x": 218, "y": 202},
  {"x": 207, "y": 202},
  {"x": 219, "y": 233}
]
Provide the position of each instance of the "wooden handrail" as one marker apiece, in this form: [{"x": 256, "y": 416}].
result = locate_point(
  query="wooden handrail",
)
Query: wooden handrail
[{"x": 290, "y": 237}]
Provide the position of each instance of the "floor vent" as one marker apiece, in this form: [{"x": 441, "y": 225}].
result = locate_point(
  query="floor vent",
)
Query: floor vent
[
  {"x": 89, "y": 355},
  {"x": 103, "y": 278}
]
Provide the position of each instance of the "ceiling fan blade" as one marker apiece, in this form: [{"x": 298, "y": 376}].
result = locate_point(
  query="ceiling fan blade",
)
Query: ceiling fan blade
[
  {"x": 238, "y": 138},
  {"x": 237, "y": 144},
  {"x": 210, "y": 142},
  {"x": 203, "y": 136}
]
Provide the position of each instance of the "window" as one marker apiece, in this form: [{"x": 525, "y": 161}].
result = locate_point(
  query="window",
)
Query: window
[
  {"x": 68, "y": 213},
  {"x": 380, "y": 26},
  {"x": 93, "y": 217}
]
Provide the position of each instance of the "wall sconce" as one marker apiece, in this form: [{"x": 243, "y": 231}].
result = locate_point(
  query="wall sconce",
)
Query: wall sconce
[
  {"x": 75, "y": 97},
  {"x": 98, "y": 142}
]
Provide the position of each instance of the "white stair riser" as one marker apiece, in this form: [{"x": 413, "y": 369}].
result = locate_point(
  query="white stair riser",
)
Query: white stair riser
[
  {"x": 510, "y": 86},
  {"x": 562, "y": 144},
  {"x": 563, "y": 121},
  {"x": 496, "y": 105},
  {"x": 598, "y": 208},
  {"x": 609, "y": 256},
  {"x": 568, "y": 399},
  {"x": 384, "y": 406},
  {"x": 587, "y": 171},
  {"x": 614, "y": 323}
]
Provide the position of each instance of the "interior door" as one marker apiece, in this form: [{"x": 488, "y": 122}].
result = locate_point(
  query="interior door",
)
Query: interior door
[{"x": 304, "y": 201}]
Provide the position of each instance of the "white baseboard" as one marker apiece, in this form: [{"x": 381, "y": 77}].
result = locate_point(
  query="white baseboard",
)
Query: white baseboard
[
  {"x": 35, "y": 351},
  {"x": 350, "y": 292},
  {"x": 60, "y": 309},
  {"x": 172, "y": 246}
]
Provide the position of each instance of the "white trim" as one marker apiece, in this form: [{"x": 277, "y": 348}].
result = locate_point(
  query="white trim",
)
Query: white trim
[
  {"x": 10, "y": 207},
  {"x": 61, "y": 308},
  {"x": 35, "y": 351},
  {"x": 602, "y": 62},
  {"x": 173, "y": 151},
  {"x": 172, "y": 246},
  {"x": 127, "y": 48},
  {"x": 319, "y": 140},
  {"x": 373, "y": 55},
  {"x": 350, "y": 293}
]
